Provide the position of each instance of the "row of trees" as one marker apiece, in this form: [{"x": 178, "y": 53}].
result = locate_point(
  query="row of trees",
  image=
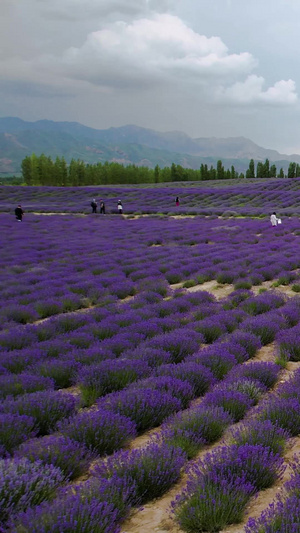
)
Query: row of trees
[{"x": 42, "y": 170}]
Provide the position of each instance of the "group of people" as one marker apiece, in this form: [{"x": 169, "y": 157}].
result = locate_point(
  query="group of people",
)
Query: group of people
[
  {"x": 94, "y": 206},
  {"x": 19, "y": 212}
]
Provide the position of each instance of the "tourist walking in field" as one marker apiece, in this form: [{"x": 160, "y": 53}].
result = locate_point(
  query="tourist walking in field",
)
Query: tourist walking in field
[
  {"x": 19, "y": 213},
  {"x": 94, "y": 206},
  {"x": 274, "y": 220},
  {"x": 177, "y": 201},
  {"x": 120, "y": 207},
  {"x": 102, "y": 207}
]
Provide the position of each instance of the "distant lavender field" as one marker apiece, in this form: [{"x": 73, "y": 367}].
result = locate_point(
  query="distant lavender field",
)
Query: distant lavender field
[
  {"x": 242, "y": 198},
  {"x": 101, "y": 340}
]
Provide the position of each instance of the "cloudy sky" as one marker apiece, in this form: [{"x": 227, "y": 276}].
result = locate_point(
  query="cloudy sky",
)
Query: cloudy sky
[{"x": 219, "y": 68}]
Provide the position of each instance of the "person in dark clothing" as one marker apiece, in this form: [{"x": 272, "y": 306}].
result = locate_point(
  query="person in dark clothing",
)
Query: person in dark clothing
[
  {"x": 102, "y": 207},
  {"x": 94, "y": 206},
  {"x": 19, "y": 213},
  {"x": 177, "y": 201}
]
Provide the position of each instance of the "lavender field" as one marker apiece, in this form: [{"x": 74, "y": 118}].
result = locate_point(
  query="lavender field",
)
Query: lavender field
[
  {"x": 255, "y": 198},
  {"x": 150, "y": 365}
]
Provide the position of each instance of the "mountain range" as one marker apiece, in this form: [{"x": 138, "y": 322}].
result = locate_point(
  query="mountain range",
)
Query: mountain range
[{"x": 125, "y": 144}]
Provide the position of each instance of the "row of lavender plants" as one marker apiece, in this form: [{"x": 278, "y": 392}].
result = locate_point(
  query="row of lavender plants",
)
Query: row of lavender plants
[
  {"x": 81, "y": 428},
  {"x": 152, "y": 470},
  {"x": 244, "y": 198},
  {"x": 144, "y": 354},
  {"x": 43, "y": 275},
  {"x": 219, "y": 486},
  {"x": 100, "y": 369}
]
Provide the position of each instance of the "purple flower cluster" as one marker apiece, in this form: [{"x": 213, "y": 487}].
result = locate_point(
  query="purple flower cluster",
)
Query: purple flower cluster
[
  {"x": 147, "y": 408},
  {"x": 151, "y": 470},
  {"x": 46, "y": 408},
  {"x": 143, "y": 361},
  {"x": 109, "y": 376},
  {"x": 68, "y": 455},
  {"x": 96, "y": 505},
  {"x": 100, "y": 431},
  {"x": 220, "y": 486},
  {"x": 24, "y": 484}
]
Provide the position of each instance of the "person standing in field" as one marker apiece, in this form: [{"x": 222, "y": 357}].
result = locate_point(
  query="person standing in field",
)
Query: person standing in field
[
  {"x": 19, "y": 213},
  {"x": 102, "y": 207},
  {"x": 120, "y": 207},
  {"x": 177, "y": 201},
  {"x": 274, "y": 219},
  {"x": 94, "y": 206}
]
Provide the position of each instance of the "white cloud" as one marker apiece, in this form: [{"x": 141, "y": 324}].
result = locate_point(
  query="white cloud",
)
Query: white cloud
[
  {"x": 251, "y": 91},
  {"x": 157, "y": 48},
  {"x": 156, "y": 51}
]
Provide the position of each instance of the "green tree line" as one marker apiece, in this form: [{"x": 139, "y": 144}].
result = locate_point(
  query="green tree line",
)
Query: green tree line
[{"x": 42, "y": 170}]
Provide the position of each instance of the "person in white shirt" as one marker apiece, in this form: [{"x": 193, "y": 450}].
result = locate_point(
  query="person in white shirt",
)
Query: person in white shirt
[
  {"x": 274, "y": 219},
  {"x": 120, "y": 207}
]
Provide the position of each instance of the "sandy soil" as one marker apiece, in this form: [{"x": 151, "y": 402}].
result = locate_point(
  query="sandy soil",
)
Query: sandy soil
[{"x": 219, "y": 291}]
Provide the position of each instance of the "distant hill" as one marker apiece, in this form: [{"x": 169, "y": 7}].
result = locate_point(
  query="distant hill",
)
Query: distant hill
[{"x": 126, "y": 144}]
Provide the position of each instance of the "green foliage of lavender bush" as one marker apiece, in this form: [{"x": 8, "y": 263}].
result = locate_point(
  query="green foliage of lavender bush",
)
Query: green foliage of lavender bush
[
  {"x": 71, "y": 457},
  {"x": 213, "y": 506},
  {"x": 152, "y": 469},
  {"x": 46, "y": 309},
  {"x": 261, "y": 432},
  {"x": 194, "y": 428},
  {"x": 100, "y": 431}
]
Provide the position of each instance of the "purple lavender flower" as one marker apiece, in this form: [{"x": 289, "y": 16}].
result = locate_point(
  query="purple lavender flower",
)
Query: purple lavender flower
[
  {"x": 100, "y": 431},
  {"x": 154, "y": 357},
  {"x": 265, "y": 372},
  {"x": 15, "y": 385},
  {"x": 45, "y": 407},
  {"x": 210, "y": 505},
  {"x": 70, "y": 515},
  {"x": 288, "y": 342},
  {"x": 147, "y": 407},
  {"x": 263, "y": 303},
  {"x": 217, "y": 359},
  {"x": 249, "y": 341},
  {"x": 15, "y": 429},
  {"x": 265, "y": 326},
  {"x": 235, "y": 349},
  {"x": 24, "y": 484},
  {"x": 196, "y": 427},
  {"x": 152, "y": 470},
  {"x": 280, "y": 516},
  {"x": 210, "y": 329},
  {"x": 233, "y": 402},
  {"x": 282, "y": 412},
  {"x": 17, "y": 338},
  {"x": 200, "y": 377},
  {"x": 261, "y": 432},
  {"x": 179, "y": 343},
  {"x": 97, "y": 505},
  {"x": 61, "y": 372},
  {"x": 255, "y": 464},
  {"x": 108, "y": 376},
  {"x": 181, "y": 390},
  {"x": 68, "y": 455}
]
